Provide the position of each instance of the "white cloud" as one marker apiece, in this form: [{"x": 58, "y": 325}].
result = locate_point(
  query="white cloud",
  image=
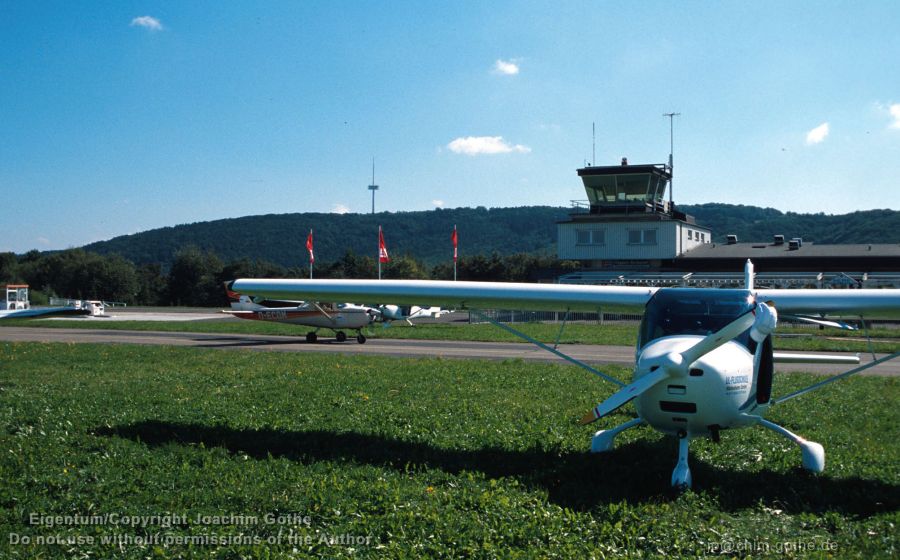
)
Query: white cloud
[
  {"x": 506, "y": 67},
  {"x": 894, "y": 110},
  {"x": 818, "y": 134},
  {"x": 43, "y": 241},
  {"x": 475, "y": 145},
  {"x": 147, "y": 22},
  {"x": 339, "y": 209},
  {"x": 438, "y": 202}
]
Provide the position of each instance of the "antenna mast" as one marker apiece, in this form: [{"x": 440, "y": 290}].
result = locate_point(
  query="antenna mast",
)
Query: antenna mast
[
  {"x": 593, "y": 143},
  {"x": 373, "y": 187},
  {"x": 671, "y": 151}
]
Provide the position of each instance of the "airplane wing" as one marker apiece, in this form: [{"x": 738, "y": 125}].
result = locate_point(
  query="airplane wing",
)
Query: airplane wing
[
  {"x": 471, "y": 295},
  {"x": 43, "y": 312},
  {"x": 549, "y": 297},
  {"x": 833, "y": 302}
]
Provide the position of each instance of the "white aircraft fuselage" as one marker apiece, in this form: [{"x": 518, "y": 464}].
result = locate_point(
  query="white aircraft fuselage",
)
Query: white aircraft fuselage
[
  {"x": 338, "y": 317},
  {"x": 708, "y": 399}
]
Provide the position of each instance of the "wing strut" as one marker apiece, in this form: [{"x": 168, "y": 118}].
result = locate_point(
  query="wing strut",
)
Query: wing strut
[
  {"x": 322, "y": 311},
  {"x": 561, "y": 327},
  {"x": 836, "y": 377},
  {"x": 550, "y": 349},
  {"x": 868, "y": 338}
]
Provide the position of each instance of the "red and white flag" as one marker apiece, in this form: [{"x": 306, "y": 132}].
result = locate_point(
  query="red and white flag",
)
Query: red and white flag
[
  {"x": 455, "y": 240},
  {"x": 309, "y": 247},
  {"x": 382, "y": 249}
]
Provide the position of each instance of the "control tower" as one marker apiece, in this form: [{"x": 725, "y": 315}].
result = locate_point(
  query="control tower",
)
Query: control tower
[
  {"x": 624, "y": 189},
  {"x": 626, "y": 221}
]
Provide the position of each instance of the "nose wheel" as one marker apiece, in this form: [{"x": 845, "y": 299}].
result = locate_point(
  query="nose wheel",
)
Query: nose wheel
[{"x": 681, "y": 476}]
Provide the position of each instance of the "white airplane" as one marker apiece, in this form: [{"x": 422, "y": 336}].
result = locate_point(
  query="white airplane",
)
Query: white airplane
[
  {"x": 704, "y": 359},
  {"x": 334, "y": 317}
]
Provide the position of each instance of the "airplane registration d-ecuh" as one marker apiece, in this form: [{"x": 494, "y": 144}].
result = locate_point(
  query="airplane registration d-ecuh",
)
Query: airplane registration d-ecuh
[{"x": 704, "y": 360}]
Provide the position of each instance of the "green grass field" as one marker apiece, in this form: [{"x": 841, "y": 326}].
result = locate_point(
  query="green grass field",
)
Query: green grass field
[
  {"x": 172, "y": 452},
  {"x": 789, "y": 338}
]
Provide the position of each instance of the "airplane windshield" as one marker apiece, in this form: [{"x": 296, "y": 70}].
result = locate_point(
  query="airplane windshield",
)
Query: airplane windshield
[{"x": 691, "y": 311}]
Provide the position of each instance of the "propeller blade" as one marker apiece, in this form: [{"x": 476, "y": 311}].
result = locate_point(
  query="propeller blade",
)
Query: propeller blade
[
  {"x": 718, "y": 338},
  {"x": 625, "y": 395}
]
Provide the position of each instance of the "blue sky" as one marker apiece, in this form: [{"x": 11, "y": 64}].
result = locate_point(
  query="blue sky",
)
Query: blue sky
[{"x": 117, "y": 117}]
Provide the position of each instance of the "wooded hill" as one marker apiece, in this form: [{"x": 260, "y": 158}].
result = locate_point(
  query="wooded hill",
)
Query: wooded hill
[{"x": 281, "y": 238}]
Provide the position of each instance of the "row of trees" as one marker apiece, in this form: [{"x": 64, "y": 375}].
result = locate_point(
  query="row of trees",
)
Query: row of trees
[{"x": 196, "y": 277}]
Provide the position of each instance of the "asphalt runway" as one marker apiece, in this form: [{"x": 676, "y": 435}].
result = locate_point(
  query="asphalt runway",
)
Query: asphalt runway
[{"x": 592, "y": 354}]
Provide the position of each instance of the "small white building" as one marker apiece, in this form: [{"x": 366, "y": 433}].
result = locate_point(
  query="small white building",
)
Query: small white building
[
  {"x": 627, "y": 221},
  {"x": 16, "y": 298}
]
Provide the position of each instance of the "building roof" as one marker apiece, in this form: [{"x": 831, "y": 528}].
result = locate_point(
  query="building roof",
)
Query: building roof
[
  {"x": 806, "y": 250},
  {"x": 652, "y": 168}
]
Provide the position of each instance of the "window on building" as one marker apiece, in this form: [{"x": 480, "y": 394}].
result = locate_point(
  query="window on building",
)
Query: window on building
[
  {"x": 642, "y": 236},
  {"x": 590, "y": 237},
  {"x": 690, "y": 234}
]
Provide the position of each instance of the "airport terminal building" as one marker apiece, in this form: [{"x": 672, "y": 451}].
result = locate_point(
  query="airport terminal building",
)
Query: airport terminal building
[{"x": 627, "y": 232}]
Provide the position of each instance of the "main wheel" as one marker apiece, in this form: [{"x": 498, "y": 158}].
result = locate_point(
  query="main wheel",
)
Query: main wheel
[
  {"x": 341, "y": 336},
  {"x": 360, "y": 338},
  {"x": 311, "y": 337}
]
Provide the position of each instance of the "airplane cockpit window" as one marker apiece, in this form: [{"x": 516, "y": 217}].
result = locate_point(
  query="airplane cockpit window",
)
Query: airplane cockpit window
[{"x": 688, "y": 311}]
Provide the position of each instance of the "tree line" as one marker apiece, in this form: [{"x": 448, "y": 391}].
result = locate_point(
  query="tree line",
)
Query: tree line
[
  {"x": 196, "y": 277},
  {"x": 280, "y": 238}
]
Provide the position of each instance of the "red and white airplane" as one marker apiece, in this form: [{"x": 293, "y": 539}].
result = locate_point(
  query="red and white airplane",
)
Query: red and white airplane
[
  {"x": 704, "y": 360},
  {"x": 335, "y": 317}
]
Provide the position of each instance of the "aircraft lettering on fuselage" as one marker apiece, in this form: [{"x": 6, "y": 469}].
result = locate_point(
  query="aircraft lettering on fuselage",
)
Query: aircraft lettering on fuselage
[{"x": 272, "y": 315}]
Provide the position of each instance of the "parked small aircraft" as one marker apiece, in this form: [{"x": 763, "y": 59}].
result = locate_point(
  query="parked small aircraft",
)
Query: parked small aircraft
[
  {"x": 704, "y": 360},
  {"x": 334, "y": 317}
]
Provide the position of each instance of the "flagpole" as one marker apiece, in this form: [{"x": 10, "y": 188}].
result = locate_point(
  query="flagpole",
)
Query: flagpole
[
  {"x": 454, "y": 251},
  {"x": 311, "y": 258},
  {"x": 379, "y": 251}
]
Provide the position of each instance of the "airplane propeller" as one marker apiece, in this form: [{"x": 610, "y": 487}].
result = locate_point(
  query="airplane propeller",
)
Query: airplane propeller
[
  {"x": 389, "y": 313},
  {"x": 761, "y": 321}
]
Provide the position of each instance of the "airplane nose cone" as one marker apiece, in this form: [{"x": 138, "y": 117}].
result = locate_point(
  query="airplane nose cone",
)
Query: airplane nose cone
[{"x": 673, "y": 363}]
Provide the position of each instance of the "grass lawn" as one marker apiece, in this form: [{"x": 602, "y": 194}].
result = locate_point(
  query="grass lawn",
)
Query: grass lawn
[
  {"x": 788, "y": 338},
  {"x": 173, "y": 452}
]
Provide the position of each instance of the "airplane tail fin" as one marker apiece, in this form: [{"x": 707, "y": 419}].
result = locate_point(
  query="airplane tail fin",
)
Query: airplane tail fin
[{"x": 238, "y": 301}]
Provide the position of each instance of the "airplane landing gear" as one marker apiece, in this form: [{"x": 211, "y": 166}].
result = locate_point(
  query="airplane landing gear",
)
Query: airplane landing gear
[
  {"x": 603, "y": 440},
  {"x": 311, "y": 337},
  {"x": 812, "y": 454},
  {"x": 681, "y": 476},
  {"x": 360, "y": 338},
  {"x": 341, "y": 336}
]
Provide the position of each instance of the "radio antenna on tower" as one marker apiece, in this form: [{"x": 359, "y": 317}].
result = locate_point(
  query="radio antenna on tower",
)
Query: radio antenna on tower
[
  {"x": 593, "y": 143},
  {"x": 671, "y": 151}
]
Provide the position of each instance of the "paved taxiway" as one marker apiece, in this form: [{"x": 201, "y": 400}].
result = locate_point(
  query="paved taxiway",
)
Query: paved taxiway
[{"x": 592, "y": 354}]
